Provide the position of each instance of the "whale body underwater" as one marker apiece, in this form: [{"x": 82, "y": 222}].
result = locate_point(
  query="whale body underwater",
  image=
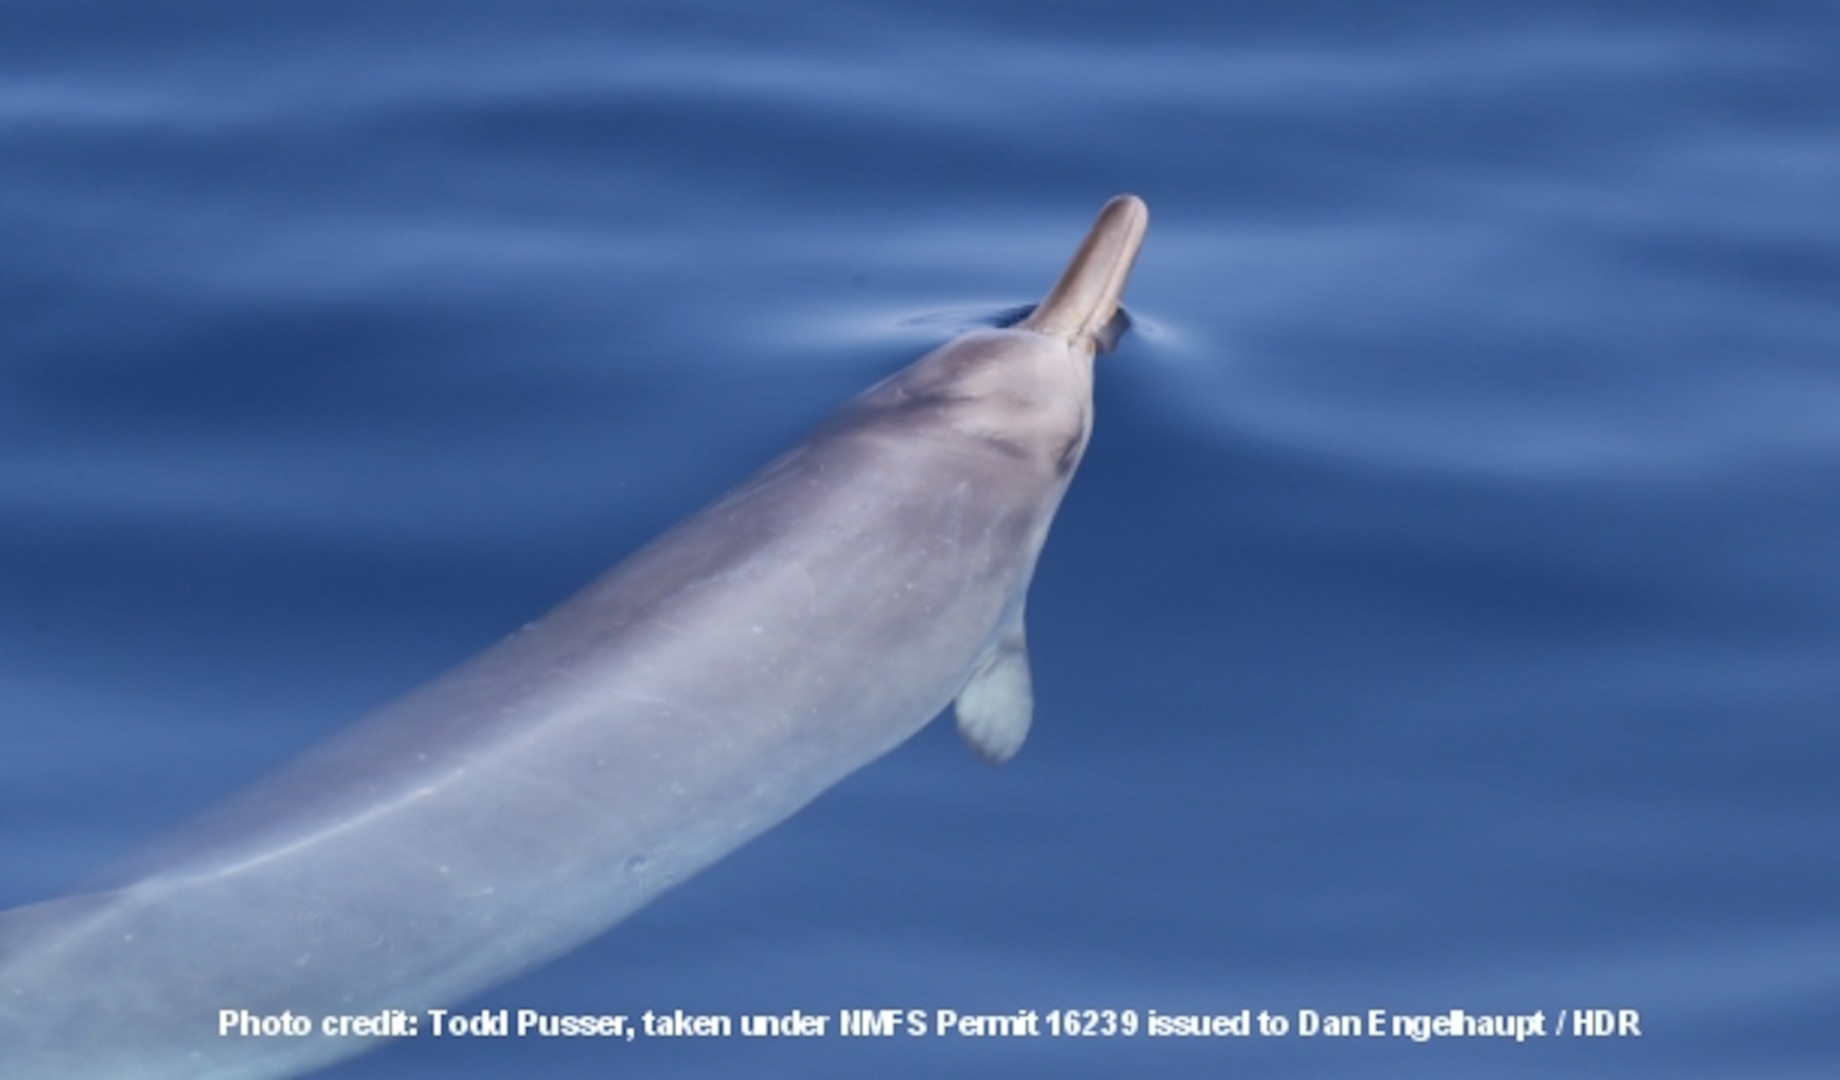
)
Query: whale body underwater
[{"x": 700, "y": 692}]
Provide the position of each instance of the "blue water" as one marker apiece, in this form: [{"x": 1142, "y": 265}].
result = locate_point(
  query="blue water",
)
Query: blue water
[{"x": 1445, "y": 616}]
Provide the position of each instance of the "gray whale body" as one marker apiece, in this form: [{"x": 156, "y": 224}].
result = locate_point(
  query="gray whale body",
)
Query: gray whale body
[{"x": 694, "y": 696}]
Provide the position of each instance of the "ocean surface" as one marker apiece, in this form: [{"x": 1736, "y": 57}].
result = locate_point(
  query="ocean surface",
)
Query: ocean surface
[{"x": 1446, "y": 615}]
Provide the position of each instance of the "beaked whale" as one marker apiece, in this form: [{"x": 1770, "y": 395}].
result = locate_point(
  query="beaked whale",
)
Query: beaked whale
[{"x": 694, "y": 696}]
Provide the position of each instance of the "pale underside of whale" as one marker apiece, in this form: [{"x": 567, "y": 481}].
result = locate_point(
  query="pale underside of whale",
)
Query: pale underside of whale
[{"x": 692, "y": 697}]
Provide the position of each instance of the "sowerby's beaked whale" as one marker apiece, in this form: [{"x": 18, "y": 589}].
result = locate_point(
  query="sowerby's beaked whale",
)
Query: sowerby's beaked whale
[{"x": 694, "y": 696}]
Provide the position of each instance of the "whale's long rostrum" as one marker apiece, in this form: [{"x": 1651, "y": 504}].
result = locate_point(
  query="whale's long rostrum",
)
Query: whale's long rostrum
[{"x": 694, "y": 696}]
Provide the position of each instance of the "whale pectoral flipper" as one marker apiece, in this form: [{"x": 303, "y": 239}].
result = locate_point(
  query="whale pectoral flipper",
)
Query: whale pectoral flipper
[{"x": 995, "y": 706}]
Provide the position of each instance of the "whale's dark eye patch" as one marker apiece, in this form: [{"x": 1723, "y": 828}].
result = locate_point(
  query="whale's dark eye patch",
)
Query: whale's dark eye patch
[{"x": 1107, "y": 337}]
